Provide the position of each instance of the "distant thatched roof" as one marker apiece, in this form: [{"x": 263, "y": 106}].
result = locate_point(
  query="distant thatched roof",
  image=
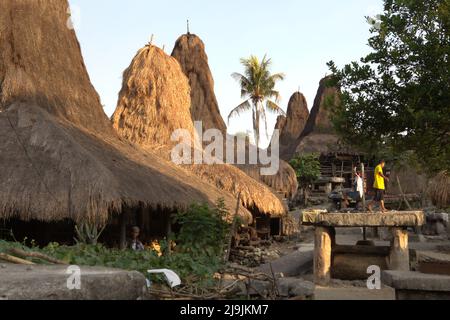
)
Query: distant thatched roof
[
  {"x": 319, "y": 119},
  {"x": 296, "y": 117},
  {"x": 59, "y": 155},
  {"x": 292, "y": 126},
  {"x": 319, "y": 135},
  {"x": 323, "y": 143},
  {"x": 439, "y": 189},
  {"x": 190, "y": 52},
  {"x": 154, "y": 101}
]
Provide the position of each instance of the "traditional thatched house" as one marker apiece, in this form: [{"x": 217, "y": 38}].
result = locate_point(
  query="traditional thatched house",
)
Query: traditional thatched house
[
  {"x": 318, "y": 136},
  {"x": 154, "y": 102},
  {"x": 292, "y": 126},
  {"x": 190, "y": 52},
  {"x": 61, "y": 161}
]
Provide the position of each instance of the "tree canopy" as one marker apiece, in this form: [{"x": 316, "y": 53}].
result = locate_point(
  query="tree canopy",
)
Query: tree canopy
[{"x": 397, "y": 98}]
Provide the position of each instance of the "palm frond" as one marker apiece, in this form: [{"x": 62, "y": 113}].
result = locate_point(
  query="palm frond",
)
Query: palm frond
[
  {"x": 278, "y": 77},
  {"x": 275, "y": 94},
  {"x": 273, "y": 107},
  {"x": 244, "y": 106},
  {"x": 238, "y": 77}
]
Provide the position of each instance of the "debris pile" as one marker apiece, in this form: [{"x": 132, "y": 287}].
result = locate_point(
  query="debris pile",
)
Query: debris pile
[{"x": 252, "y": 256}]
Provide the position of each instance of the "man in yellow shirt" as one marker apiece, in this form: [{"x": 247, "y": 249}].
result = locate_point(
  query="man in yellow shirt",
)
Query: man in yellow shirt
[{"x": 379, "y": 187}]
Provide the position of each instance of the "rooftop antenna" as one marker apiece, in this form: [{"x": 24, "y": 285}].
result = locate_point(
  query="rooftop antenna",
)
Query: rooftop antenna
[{"x": 188, "y": 31}]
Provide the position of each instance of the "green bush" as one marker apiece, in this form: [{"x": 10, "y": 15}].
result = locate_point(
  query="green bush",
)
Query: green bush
[{"x": 197, "y": 256}]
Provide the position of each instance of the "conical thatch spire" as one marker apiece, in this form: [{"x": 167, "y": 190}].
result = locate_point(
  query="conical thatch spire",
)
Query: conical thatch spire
[
  {"x": 154, "y": 101},
  {"x": 296, "y": 117},
  {"x": 60, "y": 158},
  {"x": 190, "y": 52},
  {"x": 292, "y": 126},
  {"x": 319, "y": 119},
  {"x": 319, "y": 135}
]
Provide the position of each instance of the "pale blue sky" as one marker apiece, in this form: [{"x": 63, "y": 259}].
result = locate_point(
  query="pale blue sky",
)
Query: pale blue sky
[{"x": 300, "y": 36}]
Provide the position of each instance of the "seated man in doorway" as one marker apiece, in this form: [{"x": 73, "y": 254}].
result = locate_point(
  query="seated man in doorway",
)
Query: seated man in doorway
[
  {"x": 379, "y": 186},
  {"x": 134, "y": 243}
]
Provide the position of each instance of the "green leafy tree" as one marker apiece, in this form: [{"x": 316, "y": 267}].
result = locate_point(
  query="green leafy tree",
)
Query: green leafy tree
[
  {"x": 397, "y": 98},
  {"x": 307, "y": 169},
  {"x": 258, "y": 90}
]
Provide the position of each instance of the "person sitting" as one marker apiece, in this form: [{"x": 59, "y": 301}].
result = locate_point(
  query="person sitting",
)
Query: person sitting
[{"x": 134, "y": 243}]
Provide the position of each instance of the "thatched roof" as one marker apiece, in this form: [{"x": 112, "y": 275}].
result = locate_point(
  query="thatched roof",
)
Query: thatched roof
[
  {"x": 322, "y": 143},
  {"x": 190, "y": 52},
  {"x": 296, "y": 117},
  {"x": 319, "y": 119},
  {"x": 59, "y": 155},
  {"x": 154, "y": 101},
  {"x": 292, "y": 127},
  {"x": 439, "y": 190},
  {"x": 318, "y": 135}
]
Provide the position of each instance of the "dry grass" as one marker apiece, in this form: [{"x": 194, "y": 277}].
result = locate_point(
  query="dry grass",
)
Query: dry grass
[
  {"x": 147, "y": 117},
  {"x": 60, "y": 156},
  {"x": 190, "y": 52},
  {"x": 439, "y": 190}
]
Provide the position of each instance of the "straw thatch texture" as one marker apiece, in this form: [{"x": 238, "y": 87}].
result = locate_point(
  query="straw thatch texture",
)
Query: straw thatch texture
[
  {"x": 147, "y": 117},
  {"x": 296, "y": 117},
  {"x": 319, "y": 119},
  {"x": 319, "y": 135},
  {"x": 59, "y": 155},
  {"x": 190, "y": 52},
  {"x": 439, "y": 190},
  {"x": 285, "y": 182},
  {"x": 292, "y": 127}
]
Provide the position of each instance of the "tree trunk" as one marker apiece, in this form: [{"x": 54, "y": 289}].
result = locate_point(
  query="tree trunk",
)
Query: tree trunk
[
  {"x": 256, "y": 127},
  {"x": 305, "y": 197}
]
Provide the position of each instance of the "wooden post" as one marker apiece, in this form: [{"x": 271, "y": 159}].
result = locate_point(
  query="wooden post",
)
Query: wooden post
[
  {"x": 322, "y": 255},
  {"x": 123, "y": 229},
  {"x": 364, "y": 197},
  {"x": 233, "y": 228},
  {"x": 399, "y": 253}
]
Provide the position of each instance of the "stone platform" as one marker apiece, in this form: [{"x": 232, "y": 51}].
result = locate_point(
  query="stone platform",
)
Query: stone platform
[
  {"x": 354, "y": 220},
  {"x": 325, "y": 248},
  {"x": 39, "y": 282},
  {"x": 417, "y": 286}
]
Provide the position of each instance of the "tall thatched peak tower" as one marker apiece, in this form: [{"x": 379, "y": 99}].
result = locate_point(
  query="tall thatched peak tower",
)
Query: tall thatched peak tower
[
  {"x": 293, "y": 124},
  {"x": 319, "y": 119},
  {"x": 36, "y": 67},
  {"x": 154, "y": 102},
  {"x": 154, "y": 99},
  {"x": 190, "y": 52}
]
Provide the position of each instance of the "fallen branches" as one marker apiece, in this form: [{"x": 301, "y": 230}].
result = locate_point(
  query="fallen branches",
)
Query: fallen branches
[
  {"x": 31, "y": 254},
  {"x": 15, "y": 260}
]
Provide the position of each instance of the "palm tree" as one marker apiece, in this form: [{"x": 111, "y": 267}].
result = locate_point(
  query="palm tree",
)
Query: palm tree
[{"x": 258, "y": 88}]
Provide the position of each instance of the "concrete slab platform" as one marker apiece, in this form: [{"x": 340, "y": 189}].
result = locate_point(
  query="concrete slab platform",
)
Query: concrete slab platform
[
  {"x": 39, "y": 282},
  {"x": 390, "y": 219}
]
